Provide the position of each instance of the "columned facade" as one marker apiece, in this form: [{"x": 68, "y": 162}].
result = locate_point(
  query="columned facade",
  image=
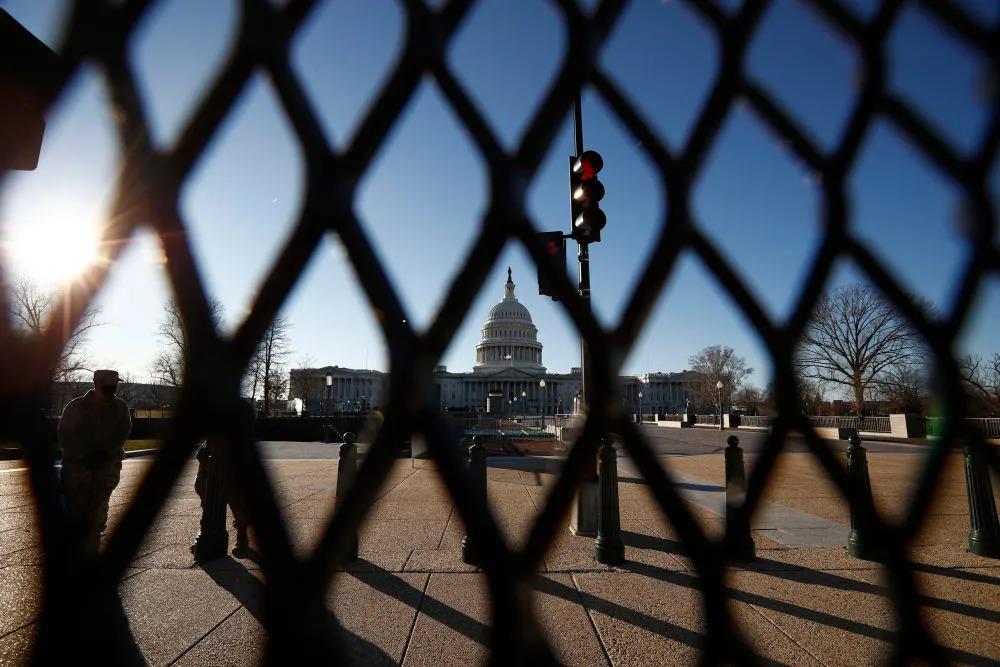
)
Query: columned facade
[{"x": 508, "y": 362}]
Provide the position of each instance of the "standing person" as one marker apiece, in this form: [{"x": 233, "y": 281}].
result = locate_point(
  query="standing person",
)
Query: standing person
[
  {"x": 92, "y": 434},
  {"x": 240, "y": 520}
]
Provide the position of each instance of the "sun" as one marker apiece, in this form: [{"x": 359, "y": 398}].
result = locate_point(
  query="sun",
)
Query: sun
[{"x": 53, "y": 247}]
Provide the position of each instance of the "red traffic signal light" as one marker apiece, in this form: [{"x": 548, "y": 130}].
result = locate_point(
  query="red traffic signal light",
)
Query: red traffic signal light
[
  {"x": 586, "y": 193},
  {"x": 588, "y": 164},
  {"x": 554, "y": 244}
]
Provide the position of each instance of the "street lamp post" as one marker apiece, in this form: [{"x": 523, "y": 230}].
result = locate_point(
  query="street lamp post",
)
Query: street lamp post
[
  {"x": 524, "y": 403},
  {"x": 541, "y": 389},
  {"x": 326, "y": 412},
  {"x": 718, "y": 386},
  {"x": 640, "y": 407}
]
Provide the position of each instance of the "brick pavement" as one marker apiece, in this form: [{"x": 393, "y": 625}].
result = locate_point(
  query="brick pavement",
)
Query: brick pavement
[{"x": 411, "y": 599}]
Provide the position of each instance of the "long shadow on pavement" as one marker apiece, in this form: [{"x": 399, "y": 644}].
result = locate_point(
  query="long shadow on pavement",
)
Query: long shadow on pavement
[
  {"x": 653, "y": 543},
  {"x": 234, "y": 577},
  {"x": 808, "y": 576},
  {"x": 831, "y": 580},
  {"x": 620, "y": 612},
  {"x": 798, "y": 611},
  {"x": 393, "y": 586}
]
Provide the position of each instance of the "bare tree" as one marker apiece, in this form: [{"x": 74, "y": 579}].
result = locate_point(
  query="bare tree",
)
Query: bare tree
[
  {"x": 168, "y": 367},
  {"x": 982, "y": 379},
  {"x": 752, "y": 399},
  {"x": 276, "y": 386},
  {"x": 903, "y": 389},
  {"x": 252, "y": 380},
  {"x": 811, "y": 396},
  {"x": 269, "y": 374},
  {"x": 854, "y": 340},
  {"x": 717, "y": 364},
  {"x": 30, "y": 311}
]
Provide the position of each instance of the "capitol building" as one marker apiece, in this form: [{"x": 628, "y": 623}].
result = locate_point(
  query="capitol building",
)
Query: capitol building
[{"x": 507, "y": 378}]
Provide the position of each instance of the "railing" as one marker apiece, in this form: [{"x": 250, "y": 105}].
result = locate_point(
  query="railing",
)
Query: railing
[
  {"x": 989, "y": 427},
  {"x": 569, "y": 421},
  {"x": 501, "y": 427},
  {"x": 862, "y": 424},
  {"x": 756, "y": 421},
  {"x": 706, "y": 419}
]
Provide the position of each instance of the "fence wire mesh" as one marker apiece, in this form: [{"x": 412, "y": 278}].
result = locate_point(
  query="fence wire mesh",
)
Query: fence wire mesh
[{"x": 82, "y": 615}]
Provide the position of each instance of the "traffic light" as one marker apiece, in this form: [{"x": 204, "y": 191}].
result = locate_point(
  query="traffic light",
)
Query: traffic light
[
  {"x": 555, "y": 247},
  {"x": 586, "y": 193},
  {"x": 27, "y": 68}
]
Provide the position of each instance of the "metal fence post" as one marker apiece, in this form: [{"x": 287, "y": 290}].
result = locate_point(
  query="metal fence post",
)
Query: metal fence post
[
  {"x": 862, "y": 541},
  {"x": 984, "y": 528},
  {"x": 738, "y": 537},
  {"x": 213, "y": 539},
  {"x": 477, "y": 473},
  {"x": 608, "y": 547},
  {"x": 347, "y": 470}
]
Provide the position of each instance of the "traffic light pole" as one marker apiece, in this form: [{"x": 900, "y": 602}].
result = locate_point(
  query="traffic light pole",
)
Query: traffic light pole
[
  {"x": 583, "y": 255},
  {"x": 583, "y": 520}
]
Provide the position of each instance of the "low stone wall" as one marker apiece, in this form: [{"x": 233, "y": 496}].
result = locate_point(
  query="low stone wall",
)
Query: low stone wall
[
  {"x": 673, "y": 424},
  {"x": 835, "y": 432}
]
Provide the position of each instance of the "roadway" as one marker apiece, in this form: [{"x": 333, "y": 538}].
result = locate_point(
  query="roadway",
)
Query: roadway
[
  {"x": 666, "y": 442},
  {"x": 692, "y": 441}
]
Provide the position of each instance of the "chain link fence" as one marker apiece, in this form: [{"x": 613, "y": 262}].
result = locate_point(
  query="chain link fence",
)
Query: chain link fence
[{"x": 82, "y": 617}]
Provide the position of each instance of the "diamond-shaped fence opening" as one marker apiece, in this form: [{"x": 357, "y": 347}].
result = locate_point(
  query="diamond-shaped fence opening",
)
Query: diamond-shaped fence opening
[
  {"x": 82, "y": 617},
  {"x": 340, "y": 87},
  {"x": 820, "y": 99},
  {"x": 672, "y": 58},
  {"x": 750, "y": 176}
]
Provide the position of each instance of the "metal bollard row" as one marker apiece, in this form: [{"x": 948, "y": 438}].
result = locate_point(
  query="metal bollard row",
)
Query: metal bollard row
[
  {"x": 862, "y": 542},
  {"x": 347, "y": 470},
  {"x": 739, "y": 541},
  {"x": 984, "y": 527},
  {"x": 477, "y": 473},
  {"x": 608, "y": 546},
  {"x": 213, "y": 538}
]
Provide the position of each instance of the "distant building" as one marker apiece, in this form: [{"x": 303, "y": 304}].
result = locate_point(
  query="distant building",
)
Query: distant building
[
  {"x": 138, "y": 395},
  {"x": 507, "y": 377}
]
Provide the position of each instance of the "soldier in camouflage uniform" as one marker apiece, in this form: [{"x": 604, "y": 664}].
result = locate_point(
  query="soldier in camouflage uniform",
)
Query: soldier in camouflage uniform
[
  {"x": 240, "y": 520},
  {"x": 92, "y": 434}
]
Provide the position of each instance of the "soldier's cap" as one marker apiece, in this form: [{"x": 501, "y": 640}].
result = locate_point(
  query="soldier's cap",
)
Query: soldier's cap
[{"x": 105, "y": 377}]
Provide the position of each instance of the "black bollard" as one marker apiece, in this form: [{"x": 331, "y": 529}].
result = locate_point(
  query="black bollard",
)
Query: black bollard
[
  {"x": 213, "y": 539},
  {"x": 608, "y": 547},
  {"x": 347, "y": 470},
  {"x": 738, "y": 537},
  {"x": 984, "y": 528},
  {"x": 477, "y": 473},
  {"x": 862, "y": 540}
]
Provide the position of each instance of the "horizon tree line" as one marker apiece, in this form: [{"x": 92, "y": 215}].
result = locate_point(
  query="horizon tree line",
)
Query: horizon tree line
[{"x": 855, "y": 343}]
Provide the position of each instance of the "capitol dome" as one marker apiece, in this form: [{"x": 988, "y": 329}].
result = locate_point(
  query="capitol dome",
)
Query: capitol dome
[{"x": 509, "y": 339}]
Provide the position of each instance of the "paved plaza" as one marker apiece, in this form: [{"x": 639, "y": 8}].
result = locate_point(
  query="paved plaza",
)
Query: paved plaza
[{"x": 411, "y": 600}]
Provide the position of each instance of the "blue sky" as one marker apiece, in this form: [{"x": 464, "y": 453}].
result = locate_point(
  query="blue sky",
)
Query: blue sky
[{"x": 422, "y": 199}]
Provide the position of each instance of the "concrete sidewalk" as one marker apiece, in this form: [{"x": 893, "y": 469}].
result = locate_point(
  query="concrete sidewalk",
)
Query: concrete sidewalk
[{"x": 410, "y": 599}]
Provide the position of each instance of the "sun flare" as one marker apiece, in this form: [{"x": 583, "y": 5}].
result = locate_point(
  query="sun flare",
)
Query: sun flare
[{"x": 53, "y": 248}]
